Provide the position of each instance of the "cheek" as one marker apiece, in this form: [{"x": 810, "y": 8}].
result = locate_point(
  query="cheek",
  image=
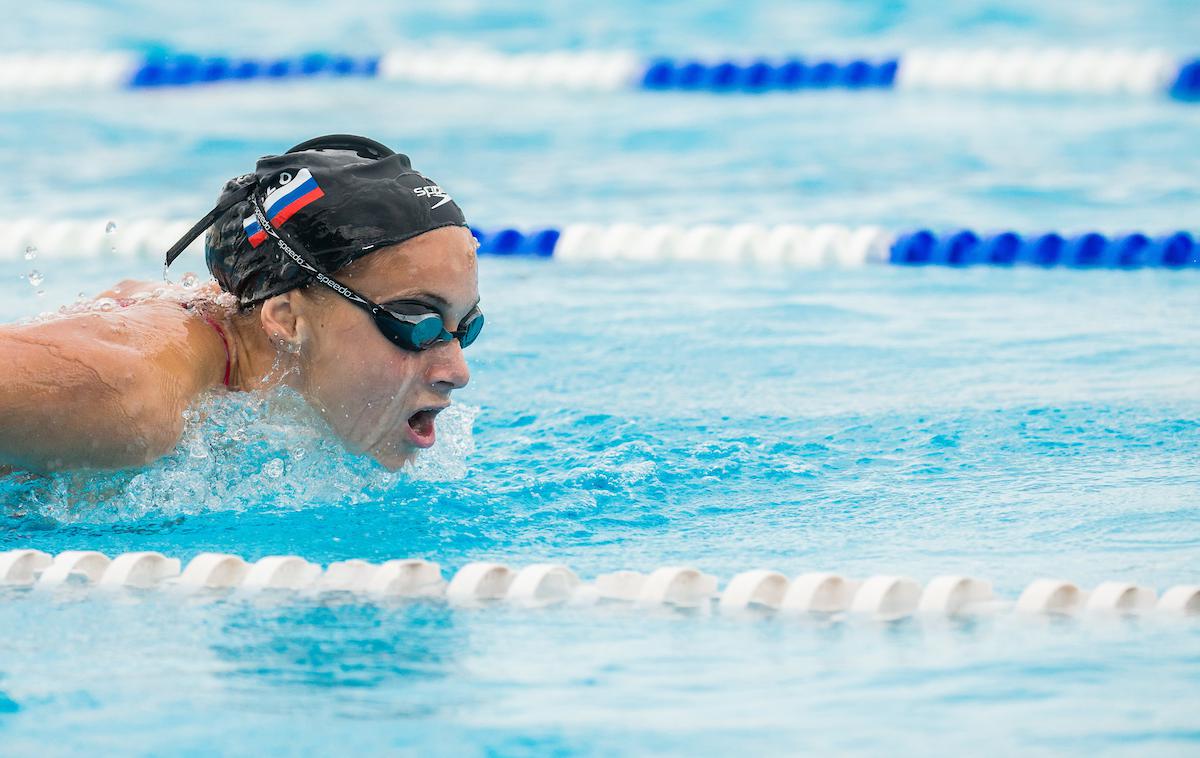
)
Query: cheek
[{"x": 366, "y": 368}]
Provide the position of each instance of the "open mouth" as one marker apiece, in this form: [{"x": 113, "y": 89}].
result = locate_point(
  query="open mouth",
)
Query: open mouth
[{"x": 421, "y": 428}]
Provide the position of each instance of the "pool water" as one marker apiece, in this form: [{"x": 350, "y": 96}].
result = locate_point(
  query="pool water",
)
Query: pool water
[{"x": 1001, "y": 423}]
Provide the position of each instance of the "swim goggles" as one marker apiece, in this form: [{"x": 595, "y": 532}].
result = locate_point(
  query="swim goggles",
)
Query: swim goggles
[
  {"x": 410, "y": 326},
  {"x": 416, "y": 331}
]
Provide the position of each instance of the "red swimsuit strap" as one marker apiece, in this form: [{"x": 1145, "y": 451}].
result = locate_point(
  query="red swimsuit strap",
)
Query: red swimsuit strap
[
  {"x": 220, "y": 333},
  {"x": 224, "y": 343}
]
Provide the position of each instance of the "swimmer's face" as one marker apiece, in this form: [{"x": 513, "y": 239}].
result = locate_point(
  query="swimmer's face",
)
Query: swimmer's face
[{"x": 379, "y": 398}]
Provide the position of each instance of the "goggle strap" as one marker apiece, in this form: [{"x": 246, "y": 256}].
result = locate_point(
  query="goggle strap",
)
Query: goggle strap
[
  {"x": 209, "y": 219},
  {"x": 285, "y": 242}
]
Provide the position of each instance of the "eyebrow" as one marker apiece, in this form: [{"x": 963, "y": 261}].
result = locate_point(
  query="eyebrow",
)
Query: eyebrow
[{"x": 433, "y": 297}]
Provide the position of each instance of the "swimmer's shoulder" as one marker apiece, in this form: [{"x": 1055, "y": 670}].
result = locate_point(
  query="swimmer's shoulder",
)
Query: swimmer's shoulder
[{"x": 119, "y": 380}]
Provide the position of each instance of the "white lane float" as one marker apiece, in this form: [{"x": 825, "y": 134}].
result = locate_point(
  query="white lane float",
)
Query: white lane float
[
  {"x": 280, "y": 572},
  {"x": 479, "y": 582},
  {"x": 819, "y": 592},
  {"x": 657, "y": 242},
  {"x": 550, "y": 584},
  {"x": 678, "y": 586},
  {"x": 1044, "y": 71},
  {"x": 542, "y": 584},
  {"x": 887, "y": 597},
  {"x": 142, "y": 570},
  {"x": 213, "y": 571},
  {"x": 754, "y": 589},
  {"x": 408, "y": 577},
  {"x": 74, "y": 567},
  {"x": 1183, "y": 599},
  {"x": 21, "y": 567},
  {"x": 1121, "y": 597},
  {"x": 782, "y": 244},
  {"x": 619, "y": 586},
  {"x": 697, "y": 243},
  {"x": 955, "y": 595},
  {"x": 345, "y": 576},
  {"x": 1050, "y": 596}
]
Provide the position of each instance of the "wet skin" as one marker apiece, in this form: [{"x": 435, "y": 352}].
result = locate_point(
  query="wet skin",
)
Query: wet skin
[{"x": 108, "y": 389}]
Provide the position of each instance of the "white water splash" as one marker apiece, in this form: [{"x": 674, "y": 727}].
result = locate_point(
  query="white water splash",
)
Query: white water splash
[{"x": 239, "y": 451}]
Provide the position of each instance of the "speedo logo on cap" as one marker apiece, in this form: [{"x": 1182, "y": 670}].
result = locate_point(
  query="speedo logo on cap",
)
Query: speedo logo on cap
[{"x": 431, "y": 191}]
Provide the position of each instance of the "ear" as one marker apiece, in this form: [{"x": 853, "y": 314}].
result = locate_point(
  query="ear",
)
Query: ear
[{"x": 279, "y": 317}]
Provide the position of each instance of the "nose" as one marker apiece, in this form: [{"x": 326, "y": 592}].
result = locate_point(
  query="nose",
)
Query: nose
[{"x": 448, "y": 367}]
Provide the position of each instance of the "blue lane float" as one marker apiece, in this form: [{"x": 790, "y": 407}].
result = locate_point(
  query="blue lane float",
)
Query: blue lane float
[
  {"x": 1049, "y": 250},
  {"x": 183, "y": 70},
  {"x": 762, "y": 75},
  {"x": 538, "y": 243},
  {"x": 1187, "y": 83}
]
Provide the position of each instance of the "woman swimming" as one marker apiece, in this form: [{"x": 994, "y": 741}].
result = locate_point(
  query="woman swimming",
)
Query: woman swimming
[{"x": 342, "y": 273}]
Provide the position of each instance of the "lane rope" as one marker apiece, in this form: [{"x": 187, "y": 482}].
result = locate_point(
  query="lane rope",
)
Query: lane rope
[
  {"x": 547, "y": 584},
  {"x": 1080, "y": 71},
  {"x": 823, "y": 245}
]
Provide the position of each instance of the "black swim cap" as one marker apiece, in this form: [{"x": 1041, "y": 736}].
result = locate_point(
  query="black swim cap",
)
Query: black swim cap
[{"x": 339, "y": 196}]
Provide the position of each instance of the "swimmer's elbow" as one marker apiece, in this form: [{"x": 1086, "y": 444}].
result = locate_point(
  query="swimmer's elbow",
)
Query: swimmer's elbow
[{"x": 156, "y": 439}]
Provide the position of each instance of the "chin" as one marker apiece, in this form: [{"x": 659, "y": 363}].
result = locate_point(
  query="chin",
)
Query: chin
[{"x": 393, "y": 460}]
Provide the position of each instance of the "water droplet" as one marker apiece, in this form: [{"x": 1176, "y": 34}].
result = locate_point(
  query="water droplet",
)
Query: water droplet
[
  {"x": 36, "y": 278},
  {"x": 41, "y": 292},
  {"x": 189, "y": 280},
  {"x": 31, "y": 252},
  {"x": 198, "y": 449},
  {"x": 273, "y": 468},
  {"x": 110, "y": 227},
  {"x": 105, "y": 304}
]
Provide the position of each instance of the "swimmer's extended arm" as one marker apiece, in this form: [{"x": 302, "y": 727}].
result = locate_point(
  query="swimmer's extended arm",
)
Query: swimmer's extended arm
[{"x": 72, "y": 398}]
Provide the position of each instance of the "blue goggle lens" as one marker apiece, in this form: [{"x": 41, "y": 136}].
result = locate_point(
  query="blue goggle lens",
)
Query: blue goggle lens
[
  {"x": 470, "y": 330},
  {"x": 427, "y": 332},
  {"x": 414, "y": 332}
]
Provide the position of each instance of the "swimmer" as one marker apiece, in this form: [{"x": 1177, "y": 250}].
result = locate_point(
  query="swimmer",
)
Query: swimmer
[{"x": 340, "y": 272}]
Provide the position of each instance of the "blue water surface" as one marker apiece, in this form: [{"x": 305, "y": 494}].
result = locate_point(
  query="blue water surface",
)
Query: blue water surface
[{"x": 1003, "y": 423}]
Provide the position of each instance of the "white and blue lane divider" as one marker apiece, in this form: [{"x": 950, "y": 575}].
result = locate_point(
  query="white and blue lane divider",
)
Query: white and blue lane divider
[
  {"x": 759, "y": 591},
  {"x": 1081, "y": 71},
  {"x": 824, "y": 245}
]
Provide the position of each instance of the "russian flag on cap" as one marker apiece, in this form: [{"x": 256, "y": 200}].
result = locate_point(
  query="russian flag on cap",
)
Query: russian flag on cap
[{"x": 282, "y": 203}]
